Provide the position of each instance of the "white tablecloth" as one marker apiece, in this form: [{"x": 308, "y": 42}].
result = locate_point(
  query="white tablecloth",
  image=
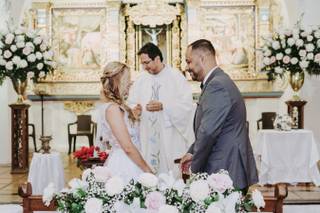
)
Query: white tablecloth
[
  {"x": 287, "y": 156},
  {"x": 46, "y": 168}
]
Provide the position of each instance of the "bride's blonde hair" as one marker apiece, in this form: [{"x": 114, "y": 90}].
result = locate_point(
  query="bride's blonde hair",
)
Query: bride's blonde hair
[{"x": 112, "y": 83}]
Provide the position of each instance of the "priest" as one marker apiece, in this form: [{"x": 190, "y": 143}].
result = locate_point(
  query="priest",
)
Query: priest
[{"x": 162, "y": 97}]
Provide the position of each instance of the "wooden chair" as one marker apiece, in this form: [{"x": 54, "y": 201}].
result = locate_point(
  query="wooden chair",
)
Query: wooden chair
[
  {"x": 85, "y": 127},
  {"x": 266, "y": 120},
  {"x": 34, "y": 202}
]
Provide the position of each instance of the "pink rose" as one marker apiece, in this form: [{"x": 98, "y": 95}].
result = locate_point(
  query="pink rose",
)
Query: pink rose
[
  {"x": 317, "y": 57},
  {"x": 154, "y": 200},
  {"x": 220, "y": 182},
  {"x": 286, "y": 59},
  {"x": 272, "y": 60}
]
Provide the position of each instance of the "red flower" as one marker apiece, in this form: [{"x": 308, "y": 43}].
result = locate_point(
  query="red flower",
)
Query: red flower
[{"x": 87, "y": 152}]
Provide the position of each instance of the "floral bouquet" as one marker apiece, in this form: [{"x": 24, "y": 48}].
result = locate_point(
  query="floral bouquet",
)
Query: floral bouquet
[
  {"x": 283, "y": 122},
  {"x": 292, "y": 51},
  {"x": 24, "y": 54},
  {"x": 89, "y": 154},
  {"x": 98, "y": 191}
]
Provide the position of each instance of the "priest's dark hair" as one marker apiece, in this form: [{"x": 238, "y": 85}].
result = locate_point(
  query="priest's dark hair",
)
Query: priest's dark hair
[
  {"x": 203, "y": 45},
  {"x": 151, "y": 50}
]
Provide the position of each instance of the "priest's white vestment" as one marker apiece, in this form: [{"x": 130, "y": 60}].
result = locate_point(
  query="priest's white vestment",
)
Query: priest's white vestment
[{"x": 165, "y": 135}]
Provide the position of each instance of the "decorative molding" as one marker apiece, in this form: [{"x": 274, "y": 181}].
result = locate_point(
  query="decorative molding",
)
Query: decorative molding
[
  {"x": 79, "y": 107},
  {"x": 210, "y": 3},
  {"x": 152, "y": 13}
]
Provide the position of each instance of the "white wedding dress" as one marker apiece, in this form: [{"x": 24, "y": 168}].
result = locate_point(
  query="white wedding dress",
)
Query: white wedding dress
[{"x": 118, "y": 162}]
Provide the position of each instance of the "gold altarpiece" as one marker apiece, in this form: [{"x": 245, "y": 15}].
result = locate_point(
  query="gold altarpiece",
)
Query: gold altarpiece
[{"x": 87, "y": 34}]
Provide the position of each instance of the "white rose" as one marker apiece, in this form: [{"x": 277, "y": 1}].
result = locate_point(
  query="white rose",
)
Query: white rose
[
  {"x": 302, "y": 53},
  {"x": 40, "y": 66},
  {"x": 9, "y": 38},
  {"x": 291, "y": 42},
  {"x": 231, "y": 200},
  {"x": 318, "y": 43},
  {"x": 283, "y": 44},
  {"x": 31, "y": 58},
  {"x": 37, "y": 40},
  {"x": 23, "y": 63},
  {"x": 30, "y": 74},
  {"x": 114, "y": 186},
  {"x": 168, "y": 209},
  {"x": 278, "y": 70},
  {"x": 30, "y": 44},
  {"x": 1, "y": 44},
  {"x": 294, "y": 60},
  {"x": 93, "y": 205},
  {"x": 304, "y": 64},
  {"x": 299, "y": 43},
  {"x": 85, "y": 174},
  {"x": 31, "y": 34},
  {"x": 275, "y": 45},
  {"x": 258, "y": 199},
  {"x": 266, "y": 61},
  {"x": 46, "y": 55},
  {"x": 267, "y": 53},
  {"x": 288, "y": 51},
  {"x": 2, "y": 61},
  {"x": 9, "y": 65},
  {"x": 288, "y": 32},
  {"x": 13, "y": 48},
  {"x": 7, "y": 54},
  {"x": 16, "y": 59},
  {"x": 26, "y": 50},
  {"x": 309, "y": 38},
  {"x": 38, "y": 55},
  {"x": 148, "y": 180},
  {"x": 304, "y": 34},
  {"x": 317, "y": 34},
  {"x": 310, "y": 56},
  {"x": 21, "y": 44},
  {"x": 76, "y": 183},
  {"x": 310, "y": 47},
  {"x": 279, "y": 56},
  {"x": 199, "y": 190},
  {"x": 19, "y": 38},
  {"x": 42, "y": 74},
  {"x": 101, "y": 173},
  {"x": 0, "y": 52},
  {"x": 213, "y": 209},
  {"x": 286, "y": 59},
  {"x": 296, "y": 31},
  {"x": 48, "y": 194},
  {"x": 43, "y": 47}
]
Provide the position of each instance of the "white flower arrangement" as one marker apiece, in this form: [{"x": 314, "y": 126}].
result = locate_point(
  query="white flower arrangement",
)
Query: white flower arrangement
[
  {"x": 292, "y": 50},
  {"x": 283, "y": 122},
  {"x": 112, "y": 195},
  {"x": 23, "y": 52}
]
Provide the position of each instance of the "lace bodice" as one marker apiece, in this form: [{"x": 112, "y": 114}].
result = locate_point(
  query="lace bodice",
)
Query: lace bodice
[{"x": 105, "y": 132}]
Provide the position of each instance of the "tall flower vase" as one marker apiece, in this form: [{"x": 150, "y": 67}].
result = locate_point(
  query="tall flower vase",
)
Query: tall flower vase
[
  {"x": 20, "y": 88},
  {"x": 296, "y": 81}
]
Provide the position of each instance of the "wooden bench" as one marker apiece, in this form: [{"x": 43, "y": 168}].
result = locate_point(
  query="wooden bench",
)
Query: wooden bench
[{"x": 34, "y": 202}]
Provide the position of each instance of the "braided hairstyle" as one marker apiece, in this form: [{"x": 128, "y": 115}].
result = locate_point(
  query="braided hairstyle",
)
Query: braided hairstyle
[{"x": 112, "y": 85}]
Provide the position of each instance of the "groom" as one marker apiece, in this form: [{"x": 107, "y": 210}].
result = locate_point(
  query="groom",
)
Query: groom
[{"x": 222, "y": 140}]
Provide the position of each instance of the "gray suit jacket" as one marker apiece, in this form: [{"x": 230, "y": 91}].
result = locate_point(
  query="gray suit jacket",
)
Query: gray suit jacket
[{"x": 222, "y": 140}]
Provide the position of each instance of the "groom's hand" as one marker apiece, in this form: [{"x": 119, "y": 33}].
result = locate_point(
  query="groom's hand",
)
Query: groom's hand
[
  {"x": 185, "y": 163},
  {"x": 154, "y": 106}
]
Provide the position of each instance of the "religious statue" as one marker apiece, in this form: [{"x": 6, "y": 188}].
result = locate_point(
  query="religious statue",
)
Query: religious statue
[{"x": 153, "y": 34}]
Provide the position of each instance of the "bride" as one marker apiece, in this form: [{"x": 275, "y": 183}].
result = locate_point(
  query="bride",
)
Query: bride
[{"x": 118, "y": 124}]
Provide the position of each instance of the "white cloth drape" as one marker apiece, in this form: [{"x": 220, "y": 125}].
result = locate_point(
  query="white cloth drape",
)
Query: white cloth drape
[
  {"x": 287, "y": 156},
  {"x": 44, "y": 169}
]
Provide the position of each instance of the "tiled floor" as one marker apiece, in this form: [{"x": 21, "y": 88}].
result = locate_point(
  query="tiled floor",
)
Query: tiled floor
[{"x": 9, "y": 185}]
